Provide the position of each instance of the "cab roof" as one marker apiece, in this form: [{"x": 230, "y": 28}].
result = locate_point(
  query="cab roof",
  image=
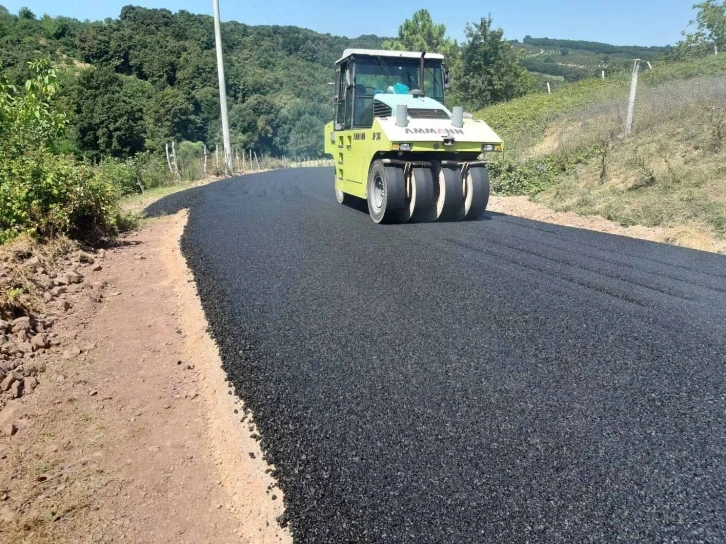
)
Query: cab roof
[{"x": 389, "y": 54}]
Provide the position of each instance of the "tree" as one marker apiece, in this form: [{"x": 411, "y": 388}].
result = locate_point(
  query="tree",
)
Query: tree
[
  {"x": 25, "y": 13},
  {"x": 254, "y": 124},
  {"x": 711, "y": 22},
  {"x": 28, "y": 116},
  {"x": 710, "y": 34},
  {"x": 172, "y": 115},
  {"x": 490, "y": 69},
  {"x": 109, "y": 115},
  {"x": 420, "y": 33},
  {"x": 306, "y": 138}
]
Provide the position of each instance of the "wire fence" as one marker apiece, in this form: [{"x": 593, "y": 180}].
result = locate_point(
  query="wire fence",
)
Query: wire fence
[{"x": 191, "y": 161}]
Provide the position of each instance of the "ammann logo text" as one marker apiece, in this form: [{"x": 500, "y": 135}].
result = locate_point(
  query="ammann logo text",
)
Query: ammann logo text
[{"x": 434, "y": 131}]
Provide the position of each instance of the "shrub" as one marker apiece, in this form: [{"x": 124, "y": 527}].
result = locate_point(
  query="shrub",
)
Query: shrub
[
  {"x": 47, "y": 195},
  {"x": 119, "y": 173},
  {"x": 153, "y": 171},
  {"x": 41, "y": 192},
  {"x": 129, "y": 176}
]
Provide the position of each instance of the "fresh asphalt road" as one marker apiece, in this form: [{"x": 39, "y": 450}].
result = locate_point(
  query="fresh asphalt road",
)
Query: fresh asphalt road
[{"x": 498, "y": 381}]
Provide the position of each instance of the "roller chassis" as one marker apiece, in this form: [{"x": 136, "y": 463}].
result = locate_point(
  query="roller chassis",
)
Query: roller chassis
[{"x": 356, "y": 152}]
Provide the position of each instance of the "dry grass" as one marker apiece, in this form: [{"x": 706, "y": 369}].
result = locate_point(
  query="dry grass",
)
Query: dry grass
[
  {"x": 690, "y": 237},
  {"x": 670, "y": 172}
]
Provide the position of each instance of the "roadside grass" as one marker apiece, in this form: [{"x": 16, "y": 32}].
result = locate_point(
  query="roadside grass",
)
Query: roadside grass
[{"x": 567, "y": 150}]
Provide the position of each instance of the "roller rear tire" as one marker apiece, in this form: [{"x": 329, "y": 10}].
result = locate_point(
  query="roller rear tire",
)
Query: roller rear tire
[
  {"x": 476, "y": 192},
  {"x": 340, "y": 196},
  {"x": 386, "y": 193}
]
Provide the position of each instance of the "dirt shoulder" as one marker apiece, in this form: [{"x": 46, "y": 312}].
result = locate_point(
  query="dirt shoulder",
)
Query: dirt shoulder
[
  {"x": 522, "y": 206},
  {"x": 131, "y": 433}
]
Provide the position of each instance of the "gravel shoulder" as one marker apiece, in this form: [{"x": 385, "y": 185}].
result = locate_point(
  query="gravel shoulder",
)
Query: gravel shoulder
[{"x": 132, "y": 433}]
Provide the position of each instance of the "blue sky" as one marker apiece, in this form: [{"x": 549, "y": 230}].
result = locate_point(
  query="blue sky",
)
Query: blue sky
[{"x": 620, "y": 22}]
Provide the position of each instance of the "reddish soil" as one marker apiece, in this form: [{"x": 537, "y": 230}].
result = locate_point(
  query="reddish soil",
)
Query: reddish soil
[{"x": 135, "y": 438}]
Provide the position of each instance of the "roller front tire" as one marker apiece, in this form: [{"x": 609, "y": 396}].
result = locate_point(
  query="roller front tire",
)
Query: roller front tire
[{"x": 386, "y": 193}]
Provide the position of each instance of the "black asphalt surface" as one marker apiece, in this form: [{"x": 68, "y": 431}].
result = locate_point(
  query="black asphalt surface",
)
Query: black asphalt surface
[{"x": 495, "y": 381}]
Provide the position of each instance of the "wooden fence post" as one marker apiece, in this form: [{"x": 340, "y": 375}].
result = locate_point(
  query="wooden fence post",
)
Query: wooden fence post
[
  {"x": 176, "y": 163},
  {"x": 168, "y": 161}
]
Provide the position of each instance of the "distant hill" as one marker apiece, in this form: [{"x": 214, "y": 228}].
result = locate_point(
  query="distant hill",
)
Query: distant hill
[
  {"x": 163, "y": 72},
  {"x": 573, "y": 60}
]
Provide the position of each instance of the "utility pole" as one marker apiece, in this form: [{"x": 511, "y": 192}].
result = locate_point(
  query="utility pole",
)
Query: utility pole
[
  {"x": 631, "y": 100},
  {"x": 222, "y": 89}
]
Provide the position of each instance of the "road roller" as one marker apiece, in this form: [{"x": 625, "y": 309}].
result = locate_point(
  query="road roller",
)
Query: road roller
[{"x": 396, "y": 145}]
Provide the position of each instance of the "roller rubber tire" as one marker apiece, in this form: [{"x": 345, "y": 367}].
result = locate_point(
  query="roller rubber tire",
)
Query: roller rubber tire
[
  {"x": 476, "y": 197},
  {"x": 386, "y": 193},
  {"x": 450, "y": 194},
  {"x": 420, "y": 199},
  {"x": 340, "y": 196}
]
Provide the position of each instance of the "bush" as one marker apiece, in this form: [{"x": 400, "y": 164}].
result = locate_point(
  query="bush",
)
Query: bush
[
  {"x": 120, "y": 174},
  {"x": 190, "y": 156},
  {"x": 129, "y": 176},
  {"x": 47, "y": 195},
  {"x": 529, "y": 177},
  {"x": 41, "y": 192},
  {"x": 153, "y": 171}
]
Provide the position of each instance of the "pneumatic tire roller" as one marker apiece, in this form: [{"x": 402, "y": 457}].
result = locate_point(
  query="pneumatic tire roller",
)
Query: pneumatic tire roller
[{"x": 402, "y": 150}]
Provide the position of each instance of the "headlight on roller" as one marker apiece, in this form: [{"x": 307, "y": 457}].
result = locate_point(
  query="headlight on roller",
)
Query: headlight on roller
[
  {"x": 487, "y": 148},
  {"x": 405, "y": 147}
]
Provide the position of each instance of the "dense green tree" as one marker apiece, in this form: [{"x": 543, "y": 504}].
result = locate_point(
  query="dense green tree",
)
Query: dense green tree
[
  {"x": 306, "y": 138},
  {"x": 25, "y": 13},
  {"x": 647, "y": 53},
  {"x": 109, "y": 115},
  {"x": 711, "y": 23},
  {"x": 255, "y": 123},
  {"x": 172, "y": 115},
  {"x": 490, "y": 69},
  {"x": 420, "y": 33},
  {"x": 275, "y": 76}
]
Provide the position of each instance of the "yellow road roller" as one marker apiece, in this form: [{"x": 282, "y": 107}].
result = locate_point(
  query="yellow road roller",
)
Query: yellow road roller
[{"x": 396, "y": 144}]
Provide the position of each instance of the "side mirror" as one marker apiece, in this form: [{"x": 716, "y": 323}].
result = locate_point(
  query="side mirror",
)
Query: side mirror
[{"x": 447, "y": 83}]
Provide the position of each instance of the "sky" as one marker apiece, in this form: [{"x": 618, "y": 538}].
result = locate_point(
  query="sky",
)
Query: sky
[{"x": 618, "y": 22}]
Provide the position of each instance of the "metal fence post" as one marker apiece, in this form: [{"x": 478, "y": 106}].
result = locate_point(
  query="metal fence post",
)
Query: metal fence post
[{"x": 631, "y": 100}]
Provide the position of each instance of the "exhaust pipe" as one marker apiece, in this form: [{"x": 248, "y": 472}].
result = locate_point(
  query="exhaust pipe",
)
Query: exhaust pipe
[
  {"x": 421, "y": 75},
  {"x": 402, "y": 115},
  {"x": 457, "y": 116}
]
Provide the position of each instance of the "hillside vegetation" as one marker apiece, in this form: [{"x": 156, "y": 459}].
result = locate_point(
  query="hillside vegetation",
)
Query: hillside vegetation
[
  {"x": 568, "y": 150},
  {"x": 574, "y": 60},
  {"x": 133, "y": 83}
]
